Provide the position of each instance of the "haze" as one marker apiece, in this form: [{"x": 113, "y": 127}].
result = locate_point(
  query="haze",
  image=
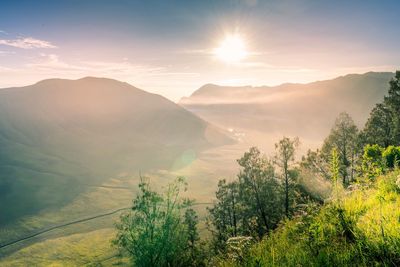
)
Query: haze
[
  {"x": 168, "y": 47},
  {"x": 177, "y": 133}
]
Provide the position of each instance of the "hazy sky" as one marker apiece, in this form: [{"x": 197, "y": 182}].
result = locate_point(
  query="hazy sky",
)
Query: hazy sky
[{"x": 167, "y": 46}]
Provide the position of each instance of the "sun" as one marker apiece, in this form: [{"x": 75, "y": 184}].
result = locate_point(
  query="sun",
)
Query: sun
[{"x": 232, "y": 49}]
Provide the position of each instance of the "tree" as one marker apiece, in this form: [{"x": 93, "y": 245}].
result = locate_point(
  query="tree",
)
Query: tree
[
  {"x": 383, "y": 125},
  {"x": 248, "y": 206},
  {"x": 154, "y": 231},
  {"x": 343, "y": 137},
  {"x": 315, "y": 162},
  {"x": 391, "y": 156},
  {"x": 259, "y": 191},
  {"x": 393, "y": 102},
  {"x": 225, "y": 214},
  {"x": 194, "y": 249},
  {"x": 285, "y": 152},
  {"x": 335, "y": 167},
  {"x": 379, "y": 127}
]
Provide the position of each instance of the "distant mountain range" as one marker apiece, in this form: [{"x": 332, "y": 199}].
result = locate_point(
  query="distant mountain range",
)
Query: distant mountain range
[
  {"x": 305, "y": 110},
  {"x": 58, "y": 136}
]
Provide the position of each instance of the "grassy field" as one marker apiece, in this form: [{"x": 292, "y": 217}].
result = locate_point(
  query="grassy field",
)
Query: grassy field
[{"x": 89, "y": 242}]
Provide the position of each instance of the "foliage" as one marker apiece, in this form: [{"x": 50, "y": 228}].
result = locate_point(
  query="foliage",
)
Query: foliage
[
  {"x": 343, "y": 137},
  {"x": 392, "y": 100},
  {"x": 335, "y": 173},
  {"x": 364, "y": 231},
  {"x": 259, "y": 192},
  {"x": 379, "y": 127},
  {"x": 372, "y": 161},
  {"x": 285, "y": 152},
  {"x": 250, "y": 205},
  {"x": 160, "y": 230},
  {"x": 315, "y": 163},
  {"x": 377, "y": 160},
  {"x": 383, "y": 126},
  {"x": 391, "y": 155},
  {"x": 226, "y": 214},
  {"x": 238, "y": 248}
]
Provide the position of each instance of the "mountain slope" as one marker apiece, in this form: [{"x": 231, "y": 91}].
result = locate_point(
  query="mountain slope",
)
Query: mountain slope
[
  {"x": 306, "y": 110},
  {"x": 59, "y": 136}
]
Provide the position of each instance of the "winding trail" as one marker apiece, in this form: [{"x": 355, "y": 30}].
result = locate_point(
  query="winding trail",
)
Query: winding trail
[
  {"x": 61, "y": 226},
  {"x": 40, "y": 232}
]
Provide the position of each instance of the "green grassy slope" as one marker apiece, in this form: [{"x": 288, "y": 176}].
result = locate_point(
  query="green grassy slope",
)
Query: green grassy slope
[{"x": 362, "y": 229}]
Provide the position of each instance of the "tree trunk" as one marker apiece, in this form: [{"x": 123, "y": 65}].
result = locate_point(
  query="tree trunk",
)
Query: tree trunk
[{"x": 286, "y": 193}]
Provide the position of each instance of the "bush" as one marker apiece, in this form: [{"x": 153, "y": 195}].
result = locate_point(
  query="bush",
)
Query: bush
[
  {"x": 161, "y": 229},
  {"x": 372, "y": 162},
  {"x": 391, "y": 155}
]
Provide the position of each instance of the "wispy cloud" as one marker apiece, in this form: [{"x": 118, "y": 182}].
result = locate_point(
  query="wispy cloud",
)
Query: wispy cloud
[
  {"x": 52, "y": 65},
  {"x": 6, "y": 53},
  {"x": 157, "y": 79},
  {"x": 27, "y": 43},
  {"x": 3, "y": 32}
]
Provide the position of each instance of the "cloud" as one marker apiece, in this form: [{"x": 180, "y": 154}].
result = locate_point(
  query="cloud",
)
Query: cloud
[
  {"x": 163, "y": 80},
  {"x": 6, "y": 53},
  {"x": 196, "y": 51},
  {"x": 27, "y": 43},
  {"x": 3, "y": 32},
  {"x": 51, "y": 65}
]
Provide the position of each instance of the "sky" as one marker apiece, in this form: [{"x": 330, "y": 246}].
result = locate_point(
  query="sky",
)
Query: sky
[{"x": 170, "y": 47}]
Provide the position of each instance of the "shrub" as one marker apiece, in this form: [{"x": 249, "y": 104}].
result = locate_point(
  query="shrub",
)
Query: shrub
[
  {"x": 391, "y": 155},
  {"x": 372, "y": 162}
]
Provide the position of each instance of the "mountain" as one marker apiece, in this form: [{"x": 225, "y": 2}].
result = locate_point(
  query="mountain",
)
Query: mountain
[
  {"x": 58, "y": 137},
  {"x": 305, "y": 110}
]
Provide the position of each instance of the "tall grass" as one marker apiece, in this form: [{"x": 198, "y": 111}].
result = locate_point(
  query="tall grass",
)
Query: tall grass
[{"x": 361, "y": 229}]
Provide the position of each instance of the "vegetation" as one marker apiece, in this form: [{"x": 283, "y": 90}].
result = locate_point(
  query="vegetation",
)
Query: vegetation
[
  {"x": 284, "y": 157},
  {"x": 248, "y": 206},
  {"x": 267, "y": 217},
  {"x": 343, "y": 138},
  {"x": 363, "y": 230},
  {"x": 161, "y": 229},
  {"x": 383, "y": 126}
]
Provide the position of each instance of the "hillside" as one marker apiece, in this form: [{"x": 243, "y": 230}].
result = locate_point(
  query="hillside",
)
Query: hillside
[
  {"x": 60, "y": 137},
  {"x": 361, "y": 229},
  {"x": 305, "y": 110}
]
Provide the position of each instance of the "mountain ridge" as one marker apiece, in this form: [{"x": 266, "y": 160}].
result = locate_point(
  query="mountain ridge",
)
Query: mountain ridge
[
  {"x": 203, "y": 92},
  {"x": 304, "y": 110},
  {"x": 58, "y": 135}
]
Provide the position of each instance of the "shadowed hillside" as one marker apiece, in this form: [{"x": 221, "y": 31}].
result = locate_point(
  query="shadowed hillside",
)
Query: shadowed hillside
[{"x": 59, "y": 136}]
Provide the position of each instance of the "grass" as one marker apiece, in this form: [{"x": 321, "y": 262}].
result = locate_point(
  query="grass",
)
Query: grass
[
  {"x": 86, "y": 249},
  {"x": 363, "y": 229},
  {"x": 202, "y": 183}
]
